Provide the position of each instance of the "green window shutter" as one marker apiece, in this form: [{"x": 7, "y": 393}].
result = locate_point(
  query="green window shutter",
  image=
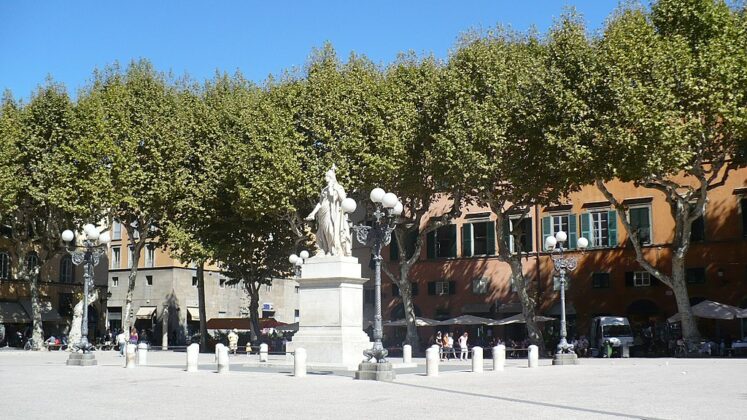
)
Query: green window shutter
[
  {"x": 546, "y": 229},
  {"x": 528, "y": 235},
  {"x": 586, "y": 227},
  {"x": 430, "y": 243},
  {"x": 506, "y": 231},
  {"x": 467, "y": 240},
  {"x": 629, "y": 279},
  {"x": 432, "y": 288},
  {"x": 393, "y": 248},
  {"x": 412, "y": 239},
  {"x": 452, "y": 287},
  {"x": 572, "y": 231},
  {"x": 612, "y": 228},
  {"x": 452, "y": 229},
  {"x": 491, "y": 238},
  {"x": 413, "y": 289}
]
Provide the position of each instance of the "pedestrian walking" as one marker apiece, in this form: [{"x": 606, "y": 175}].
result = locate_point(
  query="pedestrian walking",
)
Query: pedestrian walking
[{"x": 463, "y": 346}]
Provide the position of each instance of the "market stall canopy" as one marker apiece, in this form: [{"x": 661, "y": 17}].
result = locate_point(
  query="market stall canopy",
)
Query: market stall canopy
[
  {"x": 145, "y": 312},
  {"x": 13, "y": 313},
  {"x": 419, "y": 322},
  {"x": 519, "y": 319},
  {"x": 467, "y": 320},
  {"x": 712, "y": 310},
  {"x": 742, "y": 313}
]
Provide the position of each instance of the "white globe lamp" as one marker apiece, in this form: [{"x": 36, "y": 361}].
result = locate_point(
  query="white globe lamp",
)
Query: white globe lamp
[
  {"x": 398, "y": 208},
  {"x": 561, "y": 236},
  {"x": 68, "y": 235},
  {"x": 390, "y": 200},
  {"x": 105, "y": 238},
  {"x": 293, "y": 258},
  {"x": 377, "y": 194},
  {"x": 550, "y": 242},
  {"x": 349, "y": 205},
  {"x": 583, "y": 243},
  {"x": 304, "y": 254}
]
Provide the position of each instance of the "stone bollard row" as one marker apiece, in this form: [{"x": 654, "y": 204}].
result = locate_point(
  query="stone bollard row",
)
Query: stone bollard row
[
  {"x": 217, "y": 350},
  {"x": 142, "y": 354},
  {"x": 533, "y": 356},
  {"x": 299, "y": 362},
  {"x": 193, "y": 352},
  {"x": 264, "y": 350},
  {"x": 477, "y": 359},
  {"x": 221, "y": 356},
  {"x": 130, "y": 356},
  {"x": 432, "y": 359},
  {"x": 499, "y": 357},
  {"x": 407, "y": 353}
]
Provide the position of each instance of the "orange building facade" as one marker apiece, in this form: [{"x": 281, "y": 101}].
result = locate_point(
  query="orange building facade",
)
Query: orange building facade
[{"x": 459, "y": 273}]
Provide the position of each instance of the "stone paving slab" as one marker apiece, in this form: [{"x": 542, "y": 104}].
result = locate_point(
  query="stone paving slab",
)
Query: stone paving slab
[{"x": 40, "y": 386}]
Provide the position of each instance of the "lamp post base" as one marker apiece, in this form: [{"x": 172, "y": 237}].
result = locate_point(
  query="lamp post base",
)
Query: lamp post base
[
  {"x": 565, "y": 359},
  {"x": 81, "y": 359},
  {"x": 370, "y": 371}
]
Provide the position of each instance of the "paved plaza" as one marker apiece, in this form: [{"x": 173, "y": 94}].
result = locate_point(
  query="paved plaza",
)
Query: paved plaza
[{"x": 39, "y": 385}]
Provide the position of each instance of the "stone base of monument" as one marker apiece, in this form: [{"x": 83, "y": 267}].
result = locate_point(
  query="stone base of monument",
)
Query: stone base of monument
[
  {"x": 330, "y": 301},
  {"x": 81, "y": 359},
  {"x": 565, "y": 359},
  {"x": 370, "y": 371}
]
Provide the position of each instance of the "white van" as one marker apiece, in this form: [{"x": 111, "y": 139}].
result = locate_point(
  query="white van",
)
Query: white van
[{"x": 616, "y": 329}]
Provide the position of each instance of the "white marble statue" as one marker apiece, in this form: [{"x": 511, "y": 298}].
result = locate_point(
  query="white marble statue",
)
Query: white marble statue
[{"x": 333, "y": 232}]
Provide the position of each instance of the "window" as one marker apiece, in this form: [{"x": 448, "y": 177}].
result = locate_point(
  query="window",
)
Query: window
[
  {"x": 522, "y": 230},
  {"x": 600, "y": 280},
  {"x": 478, "y": 238},
  {"x": 697, "y": 230},
  {"x": 116, "y": 231},
  {"x": 115, "y": 281},
  {"x": 695, "y": 275},
  {"x": 150, "y": 256},
  {"x": 116, "y": 257},
  {"x": 66, "y": 269},
  {"x": 149, "y": 280},
  {"x": 4, "y": 266},
  {"x": 557, "y": 222},
  {"x": 480, "y": 286},
  {"x": 369, "y": 296},
  {"x": 441, "y": 288},
  {"x": 641, "y": 279},
  {"x": 441, "y": 242},
  {"x": 412, "y": 238},
  {"x": 640, "y": 222},
  {"x": 268, "y": 288},
  {"x": 413, "y": 289},
  {"x": 65, "y": 307},
  {"x": 296, "y": 315},
  {"x": 194, "y": 281},
  {"x": 32, "y": 261},
  {"x": 599, "y": 228},
  {"x": 222, "y": 283}
]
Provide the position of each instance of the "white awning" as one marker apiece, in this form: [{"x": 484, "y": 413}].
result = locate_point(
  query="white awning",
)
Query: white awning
[
  {"x": 13, "y": 313},
  {"x": 145, "y": 312},
  {"x": 194, "y": 313}
]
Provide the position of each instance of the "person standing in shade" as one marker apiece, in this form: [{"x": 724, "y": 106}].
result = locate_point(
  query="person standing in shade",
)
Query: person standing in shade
[
  {"x": 451, "y": 345},
  {"x": 122, "y": 342},
  {"x": 463, "y": 346},
  {"x": 233, "y": 341}
]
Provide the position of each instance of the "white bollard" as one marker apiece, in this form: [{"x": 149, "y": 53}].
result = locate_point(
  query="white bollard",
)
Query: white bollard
[
  {"x": 407, "y": 353},
  {"x": 263, "y": 351},
  {"x": 142, "y": 354},
  {"x": 299, "y": 362},
  {"x": 499, "y": 357},
  {"x": 533, "y": 356},
  {"x": 130, "y": 356},
  {"x": 224, "y": 365},
  {"x": 477, "y": 359},
  {"x": 217, "y": 350},
  {"x": 431, "y": 361},
  {"x": 193, "y": 352}
]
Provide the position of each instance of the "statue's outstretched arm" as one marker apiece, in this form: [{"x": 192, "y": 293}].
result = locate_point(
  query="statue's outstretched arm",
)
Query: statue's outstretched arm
[{"x": 312, "y": 215}]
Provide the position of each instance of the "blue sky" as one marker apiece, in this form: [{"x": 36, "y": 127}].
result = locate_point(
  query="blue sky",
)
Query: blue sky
[{"x": 69, "y": 39}]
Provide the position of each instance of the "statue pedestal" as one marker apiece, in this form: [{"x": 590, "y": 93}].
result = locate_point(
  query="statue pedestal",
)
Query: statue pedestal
[{"x": 330, "y": 303}]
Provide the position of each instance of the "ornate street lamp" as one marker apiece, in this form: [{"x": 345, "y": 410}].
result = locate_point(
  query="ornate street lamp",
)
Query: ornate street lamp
[
  {"x": 88, "y": 253},
  {"x": 297, "y": 261},
  {"x": 563, "y": 264},
  {"x": 376, "y": 236}
]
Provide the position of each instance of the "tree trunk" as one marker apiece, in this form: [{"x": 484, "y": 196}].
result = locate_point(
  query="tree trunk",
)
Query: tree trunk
[
  {"x": 137, "y": 247},
  {"x": 679, "y": 286},
  {"x": 37, "y": 333},
  {"x": 74, "y": 334},
  {"x": 253, "y": 289},
  {"x": 201, "y": 302},
  {"x": 405, "y": 291},
  {"x": 165, "y": 328}
]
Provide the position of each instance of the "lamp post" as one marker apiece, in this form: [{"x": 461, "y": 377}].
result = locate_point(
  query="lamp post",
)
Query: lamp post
[
  {"x": 297, "y": 261},
  {"x": 562, "y": 265},
  {"x": 88, "y": 253},
  {"x": 376, "y": 236}
]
